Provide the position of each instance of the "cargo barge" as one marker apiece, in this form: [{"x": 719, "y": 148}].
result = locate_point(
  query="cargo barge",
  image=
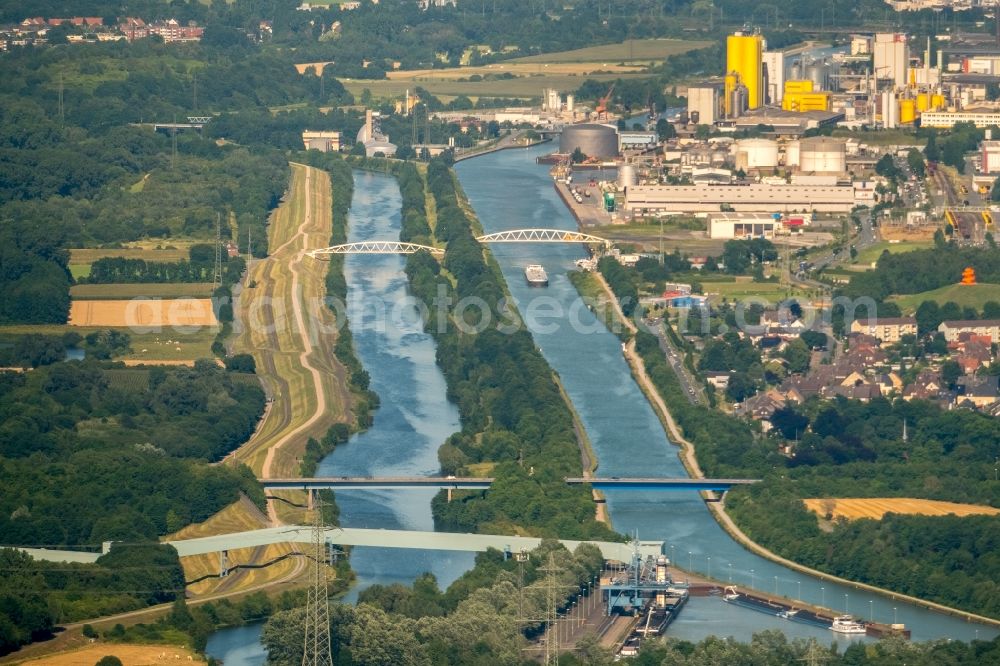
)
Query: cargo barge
[{"x": 536, "y": 276}]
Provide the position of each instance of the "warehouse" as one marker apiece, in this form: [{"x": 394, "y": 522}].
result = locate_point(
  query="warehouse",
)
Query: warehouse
[
  {"x": 680, "y": 199},
  {"x": 743, "y": 225}
]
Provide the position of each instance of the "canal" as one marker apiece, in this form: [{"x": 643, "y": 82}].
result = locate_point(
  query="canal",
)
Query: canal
[{"x": 509, "y": 191}]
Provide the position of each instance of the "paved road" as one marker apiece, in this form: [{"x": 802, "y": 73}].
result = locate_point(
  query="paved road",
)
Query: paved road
[{"x": 689, "y": 384}]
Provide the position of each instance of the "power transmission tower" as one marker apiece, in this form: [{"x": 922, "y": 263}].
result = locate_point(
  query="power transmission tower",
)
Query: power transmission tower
[
  {"x": 217, "y": 271},
  {"x": 551, "y": 611},
  {"x": 815, "y": 655},
  {"x": 317, "y": 650}
]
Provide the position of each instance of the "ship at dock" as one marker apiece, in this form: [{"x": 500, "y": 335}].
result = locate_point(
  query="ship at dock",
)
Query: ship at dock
[{"x": 536, "y": 276}]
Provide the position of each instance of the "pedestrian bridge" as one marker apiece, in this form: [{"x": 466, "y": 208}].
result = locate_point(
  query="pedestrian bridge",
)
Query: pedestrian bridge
[
  {"x": 374, "y": 247},
  {"x": 481, "y": 483},
  {"x": 511, "y": 236}
]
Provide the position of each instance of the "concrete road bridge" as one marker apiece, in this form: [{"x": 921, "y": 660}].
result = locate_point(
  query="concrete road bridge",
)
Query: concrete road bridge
[
  {"x": 482, "y": 483},
  {"x": 511, "y": 236}
]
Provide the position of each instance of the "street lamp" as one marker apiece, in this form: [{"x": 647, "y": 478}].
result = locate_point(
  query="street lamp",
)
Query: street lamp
[
  {"x": 845, "y": 602},
  {"x": 709, "y": 566},
  {"x": 894, "y": 615},
  {"x": 799, "y": 583},
  {"x": 775, "y": 585},
  {"x": 822, "y": 592},
  {"x": 871, "y": 610},
  {"x": 751, "y": 579},
  {"x": 730, "y": 572}
]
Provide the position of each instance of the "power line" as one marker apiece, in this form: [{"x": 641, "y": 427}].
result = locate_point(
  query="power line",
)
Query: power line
[{"x": 317, "y": 651}]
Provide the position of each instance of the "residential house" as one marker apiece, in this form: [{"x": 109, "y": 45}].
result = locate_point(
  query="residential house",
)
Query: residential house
[
  {"x": 888, "y": 329},
  {"x": 927, "y": 386},
  {"x": 718, "y": 379},
  {"x": 984, "y": 327},
  {"x": 977, "y": 391}
]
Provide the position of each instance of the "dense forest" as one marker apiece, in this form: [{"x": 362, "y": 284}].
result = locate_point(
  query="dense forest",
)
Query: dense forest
[
  {"x": 475, "y": 621},
  {"x": 514, "y": 419}
]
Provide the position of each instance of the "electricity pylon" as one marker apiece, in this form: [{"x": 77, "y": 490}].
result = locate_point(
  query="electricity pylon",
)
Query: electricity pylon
[{"x": 317, "y": 650}]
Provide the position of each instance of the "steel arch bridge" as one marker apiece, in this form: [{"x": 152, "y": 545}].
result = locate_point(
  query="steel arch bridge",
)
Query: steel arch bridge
[
  {"x": 542, "y": 236},
  {"x": 375, "y": 247}
]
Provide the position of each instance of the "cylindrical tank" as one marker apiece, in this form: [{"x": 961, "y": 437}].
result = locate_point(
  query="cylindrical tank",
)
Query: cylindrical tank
[
  {"x": 822, "y": 154},
  {"x": 569, "y": 102},
  {"x": 796, "y": 70},
  {"x": 923, "y": 102},
  {"x": 819, "y": 74},
  {"x": 937, "y": 102},
  {"x": 792, "y": 154},
  {"x": 907, "y": 111},
  {"x": 760, "y": 153},
  {"x": 627, "y": 176},
  {"x": 592, "y": 139}
]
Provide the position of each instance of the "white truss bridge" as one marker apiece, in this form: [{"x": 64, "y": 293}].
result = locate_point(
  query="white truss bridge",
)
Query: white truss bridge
[
  {"x": 375, "y": 247},
  {"x": 512, "y": 236}
]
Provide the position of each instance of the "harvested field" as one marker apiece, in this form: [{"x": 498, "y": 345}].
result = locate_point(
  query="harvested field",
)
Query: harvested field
[
  {"x": 99, "y": 292},
  {"x": 631, "y": 50},
  {"x": 131, "y": 655},
  {"x": 876, "y": 507},
  {"x": 144, "y": 313}
]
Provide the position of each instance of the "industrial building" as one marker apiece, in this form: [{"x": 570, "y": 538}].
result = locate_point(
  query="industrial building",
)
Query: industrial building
[
  {"x": 891, "y": 57},
  {"x": 981, "y": 117},
  {"x": 743, "y": 225},
  {"x": 644, "y": 200},
  {"x": 705, "y": 103},
  {"x": 592, "y": 139},
  {"x": 991, "y": 156},
  {"x": 636, "y": 140},
  {"x": 774, "y": 76},
  {"x": 822, "y": 155},
  {"x": 323, "y": 141}
]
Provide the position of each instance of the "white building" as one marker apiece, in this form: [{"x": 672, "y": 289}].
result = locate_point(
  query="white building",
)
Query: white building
[
  {"x": 981, "y": 118},
  {"x": 991, "y": 156},
  {"x": 703, "y": 104},
  {"x": 680, "y": 199},
  {"x": 952, "y": 329},
  {"x": 742, "y": 225},
  {"x": 892, "y": 56},
  {"x": 323, "y": 141},
  {"x": 774, "y": 71}
]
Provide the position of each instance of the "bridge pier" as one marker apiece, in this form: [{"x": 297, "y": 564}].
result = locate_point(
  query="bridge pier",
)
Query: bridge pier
[
  {"x": 310, "y": 498},
  {"x": 223, "y": 564}
]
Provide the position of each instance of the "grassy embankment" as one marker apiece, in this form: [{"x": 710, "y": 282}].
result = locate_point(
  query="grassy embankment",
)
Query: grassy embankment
[
  {"x": 971, "y": 295},
  {"x": 297, "y": 366},
  {"x": 563, "y": 70}
]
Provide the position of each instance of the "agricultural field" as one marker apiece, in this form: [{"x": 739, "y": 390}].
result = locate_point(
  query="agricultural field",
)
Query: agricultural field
[
  {"x": 629, "y": 51},
  {"x": 972, "y": 295},
  {"x": 876, "y": 507},
  {"x": 133, "y": 655},
  {"x": 563, "y": 70},
  {"x": 88, "y": 292},
  {"x": 143, "y": 314},
  {"x": 735, "y": 290},
  {"x": 80, "y": 259},
  {"x": 167, "y": 347}
]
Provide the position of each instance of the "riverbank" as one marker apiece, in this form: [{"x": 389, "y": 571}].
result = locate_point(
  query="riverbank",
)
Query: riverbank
[
  {"x": 504, "y": 143},
  {"x": 689, "y": 459}
]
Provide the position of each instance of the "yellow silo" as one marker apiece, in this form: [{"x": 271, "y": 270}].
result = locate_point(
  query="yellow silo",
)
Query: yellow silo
[
  {"x": 923, "y": 102},
  {"x": 907, "y": 111},
  {"x": 937, "y": 102},
  {"x": 744, "y": 57}
]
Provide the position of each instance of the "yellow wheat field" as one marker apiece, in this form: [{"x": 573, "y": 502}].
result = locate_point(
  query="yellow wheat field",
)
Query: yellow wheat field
[
  {"x": 144, "y": 313},
  {"x": 131, "y": 655},
  {"x": 876, "y": 507}
]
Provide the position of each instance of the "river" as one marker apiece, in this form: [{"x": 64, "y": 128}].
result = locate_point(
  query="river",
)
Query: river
[{"x": 509, "y": 191}]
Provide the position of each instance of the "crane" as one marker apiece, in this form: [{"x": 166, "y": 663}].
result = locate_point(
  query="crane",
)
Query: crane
[{"x": 602, "y": 103}]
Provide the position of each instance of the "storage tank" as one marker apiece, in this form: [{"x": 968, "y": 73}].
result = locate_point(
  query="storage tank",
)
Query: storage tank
[
  {"x": 569, "y": 103},
  {"x": 760, "y": 153},
  {"x": 792, "y": 154},
  {"x": 937, "y": 102},
  {"x": 923, "y": 102},
  {"x": 907, "y": 111},
  {"x": 592, "y": 139},
  {"x": 627, "y": 176},
  {"x": 819, "y": 74},
  {"x": 822, "y": 154}
]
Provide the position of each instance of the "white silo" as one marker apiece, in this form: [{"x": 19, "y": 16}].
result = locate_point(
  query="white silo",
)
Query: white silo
[
  {"x": 760, "y": 153},
  {"x": 569, "y": 102},
  {"x": 821, "y": 154},
  {"x": 627, "y": 176}
]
